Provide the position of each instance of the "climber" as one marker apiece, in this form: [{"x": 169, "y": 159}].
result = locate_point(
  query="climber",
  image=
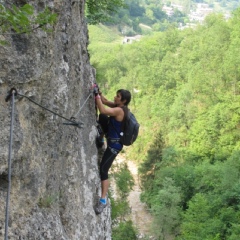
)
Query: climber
[{"x": 110, "y": 119}]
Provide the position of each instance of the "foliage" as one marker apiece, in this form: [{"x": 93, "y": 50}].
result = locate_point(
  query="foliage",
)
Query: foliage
[
  {"x": 185, "y": 93},
  {"x": 119, "y": 208},
  {"x": 185, "y": 89},
  {"x": 131, "y": 17},
  {"x": 152, "y": 163},
  {"x": 124, "y": 180},
  {"x": 125, "y": 230},
  {"x": 165, "y": 207},
  {"x": 47, "y": 201},
  {"x": 23, "y": 19},
  {"x": 101, "y": 10},
  {"x": 102, "y": 35}
]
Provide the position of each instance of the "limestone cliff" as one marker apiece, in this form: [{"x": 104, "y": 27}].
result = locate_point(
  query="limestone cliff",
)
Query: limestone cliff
[{"x": 55, "y": 178}]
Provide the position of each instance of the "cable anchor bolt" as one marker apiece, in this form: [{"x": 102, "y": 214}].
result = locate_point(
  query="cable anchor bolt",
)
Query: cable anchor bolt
[
  {"x": 10, "y": 93},
  {"x": 74, "y": 123}
]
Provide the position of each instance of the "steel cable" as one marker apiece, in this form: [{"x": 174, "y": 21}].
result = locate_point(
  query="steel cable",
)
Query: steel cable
[
  {"x": 83, "y": 105},
  {"x": 11, "y": 95},
  {"x": 9, "y": 166},
  {"x": 47, "y": 109}
]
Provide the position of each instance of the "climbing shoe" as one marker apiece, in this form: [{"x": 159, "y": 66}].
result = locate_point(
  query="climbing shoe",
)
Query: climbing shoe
[{"x": 99, "y": 207}]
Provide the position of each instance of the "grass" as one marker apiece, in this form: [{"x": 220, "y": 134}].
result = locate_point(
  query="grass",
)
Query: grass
[
  {"x": 103, "y": 34},
  {"x": 47, "y": 201}
]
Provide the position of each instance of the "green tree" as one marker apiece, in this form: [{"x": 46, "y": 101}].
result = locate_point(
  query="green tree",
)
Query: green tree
[
  {"x": 185, "y": 85},
  {"x": 152, "y": 162},
  {"x": 124, "y": 180},
  {"x": 125, "y": 230},
  {"x": 101, "y": 10},
  {"x": 23, "y": 20},
  {"x": 197, "y": 221},
  {"x": 119, "y": 208},
  {"x": 165, "y": 207},
  {"x": 135, "y": 9},
  {"x": 124, "y": 183},
  {"x": 122, "y": 229}
]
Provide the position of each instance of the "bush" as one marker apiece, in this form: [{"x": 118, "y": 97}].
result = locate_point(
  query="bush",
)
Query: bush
[{"x": 125, "y": 230}]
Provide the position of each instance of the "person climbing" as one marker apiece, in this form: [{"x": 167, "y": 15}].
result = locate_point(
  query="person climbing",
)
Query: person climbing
[{"x": 110, "y": 120}]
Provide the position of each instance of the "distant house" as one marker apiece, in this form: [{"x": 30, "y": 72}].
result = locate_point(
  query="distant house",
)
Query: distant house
[
  {"x": 201, "y": 12},
  {"x": 202, "y": 5},
  {"x": 178, "y": 7},
  {"x": 168, "y": 10},
  {"x": 188, "y": 25},
  {"x": 129, "y": 40}
]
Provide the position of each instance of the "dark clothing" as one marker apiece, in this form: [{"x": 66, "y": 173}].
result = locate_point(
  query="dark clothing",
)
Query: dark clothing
[
  {"x": 103, "y": 120},
  {"x": 107, "y": 160},
  {"x": 111, "y": 129},
  {"x": 113, "y": 137}
]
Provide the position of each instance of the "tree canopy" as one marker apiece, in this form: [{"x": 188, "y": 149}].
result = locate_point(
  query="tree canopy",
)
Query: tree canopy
[{"x": 185, "y": 89}]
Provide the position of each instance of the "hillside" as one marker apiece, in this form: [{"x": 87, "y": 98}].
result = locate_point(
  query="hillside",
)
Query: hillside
[
  {"x": 186, "y": 94},
  {"x": 159, "y": 15}
]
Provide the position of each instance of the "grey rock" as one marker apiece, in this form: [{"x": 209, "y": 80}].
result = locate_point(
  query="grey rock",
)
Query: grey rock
[{"x": 55, "y": 176}]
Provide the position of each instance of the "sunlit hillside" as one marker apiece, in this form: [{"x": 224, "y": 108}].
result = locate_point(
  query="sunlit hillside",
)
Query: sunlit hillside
[{"x": 186, "y": 94}]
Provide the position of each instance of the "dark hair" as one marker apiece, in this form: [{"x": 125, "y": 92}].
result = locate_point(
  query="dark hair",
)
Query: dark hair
[{"x": 125, "y": 95}]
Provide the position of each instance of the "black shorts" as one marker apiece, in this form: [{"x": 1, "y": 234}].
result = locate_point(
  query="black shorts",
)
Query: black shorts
[{"x": 107, "y": 160}]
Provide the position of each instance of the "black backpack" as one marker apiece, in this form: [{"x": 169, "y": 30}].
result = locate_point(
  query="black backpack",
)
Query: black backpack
[{"x": 130, "y": 130}]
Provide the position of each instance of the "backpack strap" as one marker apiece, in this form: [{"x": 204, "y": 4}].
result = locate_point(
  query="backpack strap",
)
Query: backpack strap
[{"x": 126, "y": 114}]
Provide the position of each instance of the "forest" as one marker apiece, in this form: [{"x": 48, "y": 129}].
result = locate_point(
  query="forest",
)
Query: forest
[
  {"x": 133, "y": 17},
  {"x": 185, "y": 89}
]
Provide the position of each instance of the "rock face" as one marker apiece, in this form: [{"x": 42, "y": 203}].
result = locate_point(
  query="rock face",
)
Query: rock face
[{"x": 55, "y": 178}]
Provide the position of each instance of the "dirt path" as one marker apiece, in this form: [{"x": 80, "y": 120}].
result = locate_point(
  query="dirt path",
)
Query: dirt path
[{"x": 139, "y": 215}]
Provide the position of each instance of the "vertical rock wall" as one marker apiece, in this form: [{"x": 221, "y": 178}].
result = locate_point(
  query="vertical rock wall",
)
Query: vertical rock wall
[{"x": 55, "y": 179}]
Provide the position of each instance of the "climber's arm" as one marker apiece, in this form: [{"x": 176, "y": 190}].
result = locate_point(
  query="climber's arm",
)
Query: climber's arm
[
  {"x": 112, "y": 111},
  {"x": 107, "y": 102}
]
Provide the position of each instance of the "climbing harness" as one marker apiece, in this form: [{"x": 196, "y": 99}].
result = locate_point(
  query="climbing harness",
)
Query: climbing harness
[{"x": 11, "y": 95}]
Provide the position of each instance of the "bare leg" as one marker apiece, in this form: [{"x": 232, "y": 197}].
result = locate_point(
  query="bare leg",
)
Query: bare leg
[
  {"x": 105, "y": 185},
  {"x": 102, "y": 203}
]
